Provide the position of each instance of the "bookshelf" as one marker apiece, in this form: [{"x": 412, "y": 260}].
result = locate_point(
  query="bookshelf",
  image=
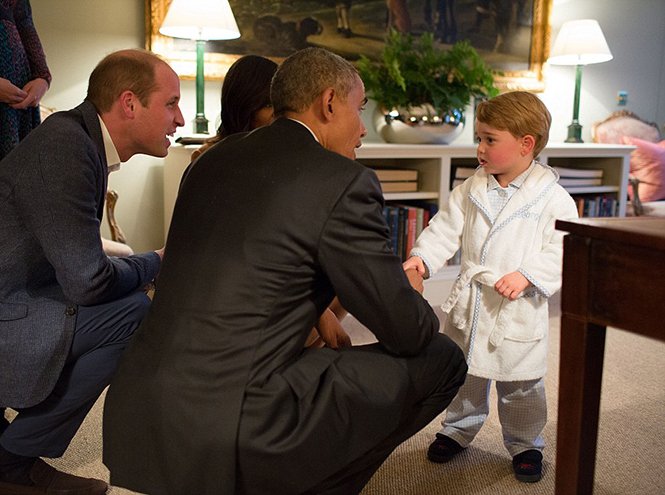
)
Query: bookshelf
[{"x": 435, "y": 163}]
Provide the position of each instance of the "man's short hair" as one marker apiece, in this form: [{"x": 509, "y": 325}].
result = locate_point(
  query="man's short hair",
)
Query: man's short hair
[
  {"x": 303, "y": 76},
  {"x": 520, "y": 113},
  {"x": 132, "y": 70}
]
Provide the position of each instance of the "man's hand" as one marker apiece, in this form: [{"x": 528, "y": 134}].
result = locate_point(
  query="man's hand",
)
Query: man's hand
[
  {"x": 337, "y": 308},
  {"x": 415, "y": 279},
  {"x": 512, "y": 285},
  {"x": 331, "y": 331}
]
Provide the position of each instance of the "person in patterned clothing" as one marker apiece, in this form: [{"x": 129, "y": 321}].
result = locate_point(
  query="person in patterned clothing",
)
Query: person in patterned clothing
[{"x": 24, "y": 75}]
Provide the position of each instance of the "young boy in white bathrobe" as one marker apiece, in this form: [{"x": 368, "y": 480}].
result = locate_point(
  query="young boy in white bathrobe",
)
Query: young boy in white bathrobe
[{"x": 502, "y": 218}]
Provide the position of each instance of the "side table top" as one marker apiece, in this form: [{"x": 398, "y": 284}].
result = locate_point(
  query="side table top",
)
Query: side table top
[{"x": 647, "y": 232}]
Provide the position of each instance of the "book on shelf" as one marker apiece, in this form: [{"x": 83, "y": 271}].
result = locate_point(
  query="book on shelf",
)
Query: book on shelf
[
  {"x": 406, "y": 221},
  {"x": 590, "y": 205},
  {"x": 464, "y": 171},
  {"x": 392, "y": 219},
  {"x": 399, "y": 186},
  {"x": 579, "y": 172},
  {"x": 580, "y": 181},
  {"x": 396, "y": 174},
  {"x": 460, "y": 173},
  {"x": 420, "y": 219},
  {"x": 412, "y": 225},
  {"x": 401, "y": 231},
  {"x": 397, "y": 179},
  {"x": 429, "y": 208}
]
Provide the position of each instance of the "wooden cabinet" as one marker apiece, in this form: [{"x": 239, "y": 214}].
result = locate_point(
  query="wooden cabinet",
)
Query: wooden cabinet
[{"x": 434, "y": 164}]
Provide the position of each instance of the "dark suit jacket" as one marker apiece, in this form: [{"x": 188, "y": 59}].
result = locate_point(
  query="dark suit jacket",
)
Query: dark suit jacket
[
  {"x": 52, "y": 189},
  {"x": 215, "y": 386}
]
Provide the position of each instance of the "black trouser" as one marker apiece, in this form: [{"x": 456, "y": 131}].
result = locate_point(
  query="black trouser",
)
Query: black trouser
[
  {"x": 436, "y": 375},
  {"x": 331, "y": 385},
  {"x": 101, "y": 334}
]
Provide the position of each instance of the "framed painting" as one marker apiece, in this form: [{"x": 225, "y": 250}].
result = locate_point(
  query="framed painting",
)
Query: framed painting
[{"x": 512, "y": 36}]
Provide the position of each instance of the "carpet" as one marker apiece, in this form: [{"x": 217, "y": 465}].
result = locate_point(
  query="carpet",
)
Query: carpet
[{"x": 631, "y": 443}]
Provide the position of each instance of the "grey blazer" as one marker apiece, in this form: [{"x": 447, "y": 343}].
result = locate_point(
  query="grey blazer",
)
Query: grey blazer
[{"x": 52, "y": 189}]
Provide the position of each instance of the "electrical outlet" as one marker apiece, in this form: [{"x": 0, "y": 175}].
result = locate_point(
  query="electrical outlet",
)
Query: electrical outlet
[{"x": 622, "y": 98}]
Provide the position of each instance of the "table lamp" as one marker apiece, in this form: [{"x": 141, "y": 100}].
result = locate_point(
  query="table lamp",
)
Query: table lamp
[
  {"x": 200, "y": 20},
  {"x": 579, "y": 43}
]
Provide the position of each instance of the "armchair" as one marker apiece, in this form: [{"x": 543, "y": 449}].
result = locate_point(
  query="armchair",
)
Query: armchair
[
  {"x": 117, "y": 245},
  {"x": 647, "y": 161}
]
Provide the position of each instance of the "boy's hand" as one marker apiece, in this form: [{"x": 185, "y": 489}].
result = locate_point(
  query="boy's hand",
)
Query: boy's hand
[{"x": 512, "y": 285}]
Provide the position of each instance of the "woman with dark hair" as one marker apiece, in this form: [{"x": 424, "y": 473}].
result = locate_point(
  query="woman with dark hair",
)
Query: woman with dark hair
[{"x": 245, "y": 98}]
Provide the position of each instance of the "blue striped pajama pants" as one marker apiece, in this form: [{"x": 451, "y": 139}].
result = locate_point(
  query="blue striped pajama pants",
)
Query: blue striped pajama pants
[{"x": 522, "y": 413}]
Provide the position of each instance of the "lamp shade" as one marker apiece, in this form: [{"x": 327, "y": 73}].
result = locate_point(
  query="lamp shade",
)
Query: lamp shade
[
  {"x": 200, "y": 20},
  {"x": 580, "y": 42}
]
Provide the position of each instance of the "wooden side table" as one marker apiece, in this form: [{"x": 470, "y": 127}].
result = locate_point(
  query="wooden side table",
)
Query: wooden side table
[{"x": 613, "y": 275}]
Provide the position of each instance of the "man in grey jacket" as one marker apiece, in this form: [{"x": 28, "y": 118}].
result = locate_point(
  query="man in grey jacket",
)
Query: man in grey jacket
[{"x": 67, "y": 310}]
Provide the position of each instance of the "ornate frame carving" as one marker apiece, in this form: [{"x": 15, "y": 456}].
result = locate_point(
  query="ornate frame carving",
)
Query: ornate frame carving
[{"x": 183, "y": 61}]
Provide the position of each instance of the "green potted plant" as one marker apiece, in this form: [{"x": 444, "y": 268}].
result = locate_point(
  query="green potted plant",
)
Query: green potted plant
[{"x": 422, "y": 90}]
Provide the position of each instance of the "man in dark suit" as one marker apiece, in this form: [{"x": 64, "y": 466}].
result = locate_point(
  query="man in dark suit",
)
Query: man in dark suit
[
  {"x": 216, "y": 394},
  {"x": 67, "y": 310}
]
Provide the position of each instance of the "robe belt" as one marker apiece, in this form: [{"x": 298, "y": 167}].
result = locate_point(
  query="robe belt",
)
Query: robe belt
[{"x": 471, "y": 272}]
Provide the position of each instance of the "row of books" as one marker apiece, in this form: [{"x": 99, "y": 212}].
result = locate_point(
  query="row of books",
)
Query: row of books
[
  {"x": 603, "y": 205},
  {"x": 406, "y": 221},
  {"x": 459, "y": 174},
  {"x": 397, "y": 179},
  {"x": 579, "y": 177},
  {"x": 568, "y": 177}
]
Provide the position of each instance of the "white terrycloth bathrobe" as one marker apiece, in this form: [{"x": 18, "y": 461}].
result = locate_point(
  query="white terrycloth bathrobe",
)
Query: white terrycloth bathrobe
[{"x": 504, "y": 340}]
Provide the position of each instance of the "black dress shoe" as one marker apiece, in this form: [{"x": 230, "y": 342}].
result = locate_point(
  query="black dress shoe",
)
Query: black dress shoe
[
  {"x": 443, "y": 448},
  {"x": 46, "y": 480},
  {"x": 528, "y": 466}
]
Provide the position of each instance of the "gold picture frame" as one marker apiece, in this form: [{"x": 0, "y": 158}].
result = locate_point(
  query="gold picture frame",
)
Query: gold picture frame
[
  {"x": 527, "y": 74},
  {"x": 532, "y": 78}
]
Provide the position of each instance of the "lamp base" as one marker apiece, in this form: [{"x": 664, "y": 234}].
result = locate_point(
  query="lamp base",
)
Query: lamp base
[
  {"x": 574, "y": 133},
  {"x": 200, "y": 124}
]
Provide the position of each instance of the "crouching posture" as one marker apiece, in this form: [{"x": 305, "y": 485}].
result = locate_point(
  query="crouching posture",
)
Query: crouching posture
[{"x": 216, "y": 394}]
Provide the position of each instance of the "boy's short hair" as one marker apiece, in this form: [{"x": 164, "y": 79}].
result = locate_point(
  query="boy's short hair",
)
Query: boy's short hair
[{"x": 520, "y": 113}]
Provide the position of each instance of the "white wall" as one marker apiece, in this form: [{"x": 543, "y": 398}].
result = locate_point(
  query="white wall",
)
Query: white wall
[
  {"x": 635, "y": 33},
  {"x": 76, "y": 34}
]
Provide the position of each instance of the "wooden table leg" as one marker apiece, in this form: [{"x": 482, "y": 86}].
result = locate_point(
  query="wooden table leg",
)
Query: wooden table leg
[{"x": 580, "y": 376}]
